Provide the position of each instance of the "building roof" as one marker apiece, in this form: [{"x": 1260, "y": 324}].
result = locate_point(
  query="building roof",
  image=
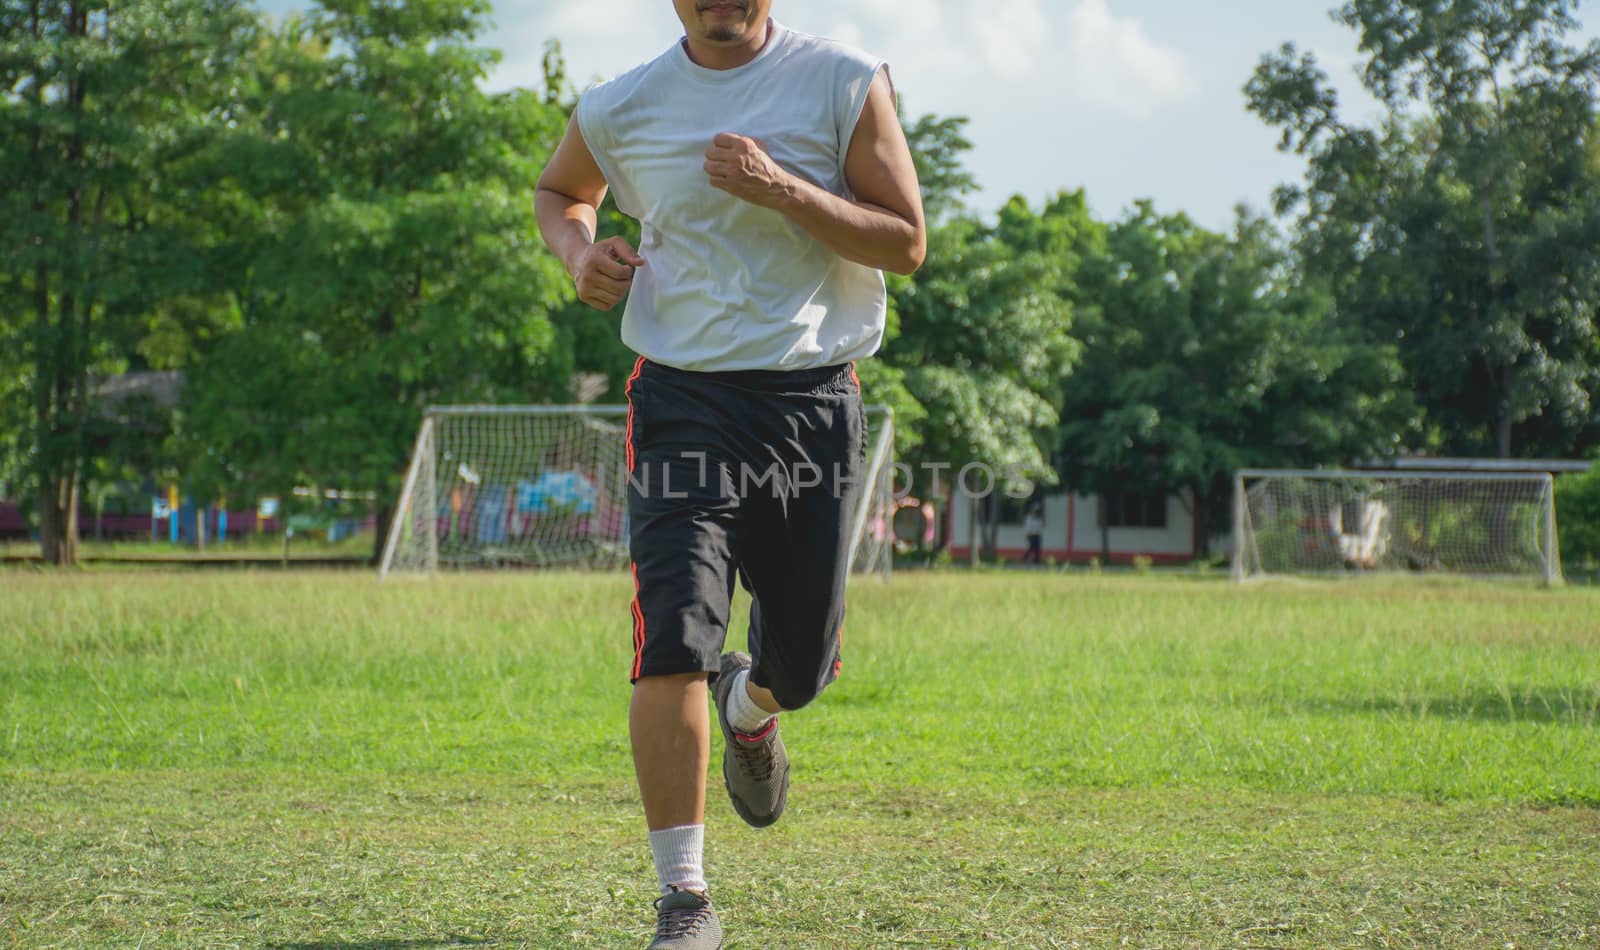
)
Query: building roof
[
  {"x": 1421, "y": 463},
  {"x": 162, "y": 387}
]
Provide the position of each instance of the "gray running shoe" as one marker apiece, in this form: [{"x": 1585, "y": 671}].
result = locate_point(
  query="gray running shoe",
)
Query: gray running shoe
[
  {"x": 686, "y": 920},
  {"x": 754, "y": 768}
]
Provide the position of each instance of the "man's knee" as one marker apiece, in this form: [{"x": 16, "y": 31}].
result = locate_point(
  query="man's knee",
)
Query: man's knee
[
  {"x": 792, "y": 691},
  {"x": 669, "y": 681}
]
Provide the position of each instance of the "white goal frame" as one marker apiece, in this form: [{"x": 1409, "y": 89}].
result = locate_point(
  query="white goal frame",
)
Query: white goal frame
[
  {"x": 413, "y": 543},
  {"x": 1366, "y": 549}
]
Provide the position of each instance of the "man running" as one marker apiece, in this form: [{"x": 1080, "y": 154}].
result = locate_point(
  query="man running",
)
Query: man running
[{"x": 773, "y": 185}]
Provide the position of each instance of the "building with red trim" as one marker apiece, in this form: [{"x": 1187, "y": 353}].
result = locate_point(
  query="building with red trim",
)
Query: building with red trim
[{"x": 1160, "y": 528}]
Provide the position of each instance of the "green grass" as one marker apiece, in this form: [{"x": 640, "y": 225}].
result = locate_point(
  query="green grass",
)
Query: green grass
[
  {"x": 357, "y": 546},
  {"x": 315, "y": 760}
]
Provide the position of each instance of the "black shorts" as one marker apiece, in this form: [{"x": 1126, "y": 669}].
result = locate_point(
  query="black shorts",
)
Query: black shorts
[{"x": 753, "y": 472}]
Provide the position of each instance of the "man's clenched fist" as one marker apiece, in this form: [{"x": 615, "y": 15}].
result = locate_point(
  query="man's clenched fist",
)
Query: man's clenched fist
[
  {"x": 604, "y": 272},
  {"x": 741, "y": 166}
]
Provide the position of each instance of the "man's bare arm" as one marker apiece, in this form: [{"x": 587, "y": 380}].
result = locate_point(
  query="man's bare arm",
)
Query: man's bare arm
[
  {"x": 567, "y": 201},
  {"x": 883, "y": 227}
]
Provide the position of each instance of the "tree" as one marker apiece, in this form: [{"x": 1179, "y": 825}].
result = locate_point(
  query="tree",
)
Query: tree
[
  {"x": 388, "y": 257},
  {"x": 102, "y": 101},
  {"x": 938, "y": 146},
  {"x": 1467, "y": 226},
  {"x": 1578, "y": 511},
  {"x": 983, "y": 338},
  {"x": 1202, "y": 355}
]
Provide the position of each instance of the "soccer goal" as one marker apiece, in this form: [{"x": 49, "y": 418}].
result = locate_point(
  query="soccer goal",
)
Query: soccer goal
[
  {"x": 547, "y": 487},
  {"x": 1341, "y": 522}
]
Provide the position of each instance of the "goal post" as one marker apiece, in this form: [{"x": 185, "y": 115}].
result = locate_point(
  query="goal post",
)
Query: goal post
[
  {"x": 547, "y": 487},
  {"x": 1313, "y": 522}
]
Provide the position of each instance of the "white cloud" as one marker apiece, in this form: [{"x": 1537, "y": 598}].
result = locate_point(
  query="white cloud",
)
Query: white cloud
[
  {"x": 1004, "y": 63},
  {"x": 594, "y": 45},
  {"x": 572, "y": 20},
  {"x": 916, "y": 15},
  {"x": 1114, "y": 62},
  {"x": 847, "y": 32},
  {"x": 1010, "y": 35}
]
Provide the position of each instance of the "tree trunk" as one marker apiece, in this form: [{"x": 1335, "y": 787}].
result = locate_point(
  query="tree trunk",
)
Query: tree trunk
[
  {"x": 972, "y": 531},
  {"x": 51, "y": 526},
  {"x": 70, "y": 541},
  {"x": 380, "y": 533},
  {"x": 991, "y": 525},
  {"x": 1502, "y": 422},
  {"x": 58, "y": 402},
  {"x": 58, "y": 522}
]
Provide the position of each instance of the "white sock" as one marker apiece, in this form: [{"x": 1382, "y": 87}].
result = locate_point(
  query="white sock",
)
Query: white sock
[
  {"x": 746, "y": 718},
  {"x": 679, "y": 854}
]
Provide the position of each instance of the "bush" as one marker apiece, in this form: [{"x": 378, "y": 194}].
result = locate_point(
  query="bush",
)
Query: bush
[{"x": 1578, "y": 520}]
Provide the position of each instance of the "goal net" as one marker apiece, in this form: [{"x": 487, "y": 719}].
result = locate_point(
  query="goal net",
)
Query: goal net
[
  {"x": 1468, "y": 523},
  {"x": 547, "y": 487}
]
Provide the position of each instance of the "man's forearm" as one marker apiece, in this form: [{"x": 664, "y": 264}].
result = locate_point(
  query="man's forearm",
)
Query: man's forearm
[
  {"x": 856, "y": 231},
  {"x": 567, "y": 225}
]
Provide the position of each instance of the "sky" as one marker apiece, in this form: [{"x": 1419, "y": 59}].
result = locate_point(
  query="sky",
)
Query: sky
[{"x": 1127, "y": 99}]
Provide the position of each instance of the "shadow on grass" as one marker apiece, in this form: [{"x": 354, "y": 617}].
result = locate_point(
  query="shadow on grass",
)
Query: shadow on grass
[
  {"x": 383, "y": 944},
  {"x": 1578, "y": 706}
]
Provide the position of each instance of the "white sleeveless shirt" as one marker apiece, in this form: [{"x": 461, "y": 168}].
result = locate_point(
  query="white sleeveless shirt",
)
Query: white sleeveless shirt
[{"x": 728, "y": 285}]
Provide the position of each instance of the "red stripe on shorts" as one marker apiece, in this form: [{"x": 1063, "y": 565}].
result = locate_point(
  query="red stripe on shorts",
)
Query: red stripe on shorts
[
  {"x": 638, "y": 624},
  {"x": 627, "y": 391}
]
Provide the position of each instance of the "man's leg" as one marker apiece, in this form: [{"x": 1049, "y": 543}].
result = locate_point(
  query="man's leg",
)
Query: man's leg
[
  {"x": 762, "y": 697},
  {"x": 671, "y": 746},
  {"x": 671, "y": 733},
  {"x": 682, "y": 523},
  {"x": 793, "y": 555},
  {"x": 795, "y": 550}
]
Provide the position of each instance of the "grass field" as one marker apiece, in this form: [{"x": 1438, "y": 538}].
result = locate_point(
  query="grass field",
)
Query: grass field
[
  {"x": 356, "y": 548},
  {"x": 316, "y": 761}
]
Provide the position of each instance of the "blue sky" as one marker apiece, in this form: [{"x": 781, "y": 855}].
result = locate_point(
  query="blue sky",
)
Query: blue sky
[{"x": 1128, "y": 99}]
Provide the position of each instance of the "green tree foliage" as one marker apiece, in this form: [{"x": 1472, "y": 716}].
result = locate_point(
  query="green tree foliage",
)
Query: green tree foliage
[
  {"x": 387, "y": 256},
  {"x": 979, "y": 303},
  {"x": 587, "y": 344},
  {"x": 885, "y": 385},
  {"x": 938, "y": 147},
  {"x": 1466, "y": 227},
  {"x": 103, "y": 102},
  {"x": 979, "y": 416},
  {"x": 1065, "y": 232},
  {"x": 1578, "y": 521},
  {"x": 1203, "y": 355},
  {"x": 15, "y": 407},
  {"x": 984, "y": 338}
]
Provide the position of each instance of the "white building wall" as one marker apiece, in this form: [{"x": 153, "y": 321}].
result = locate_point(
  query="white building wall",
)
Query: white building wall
[
  {"x": 1012, "y": 535},
  {"x": 1177, "y": 538},
  {"x": 1082, "y": 513}
]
